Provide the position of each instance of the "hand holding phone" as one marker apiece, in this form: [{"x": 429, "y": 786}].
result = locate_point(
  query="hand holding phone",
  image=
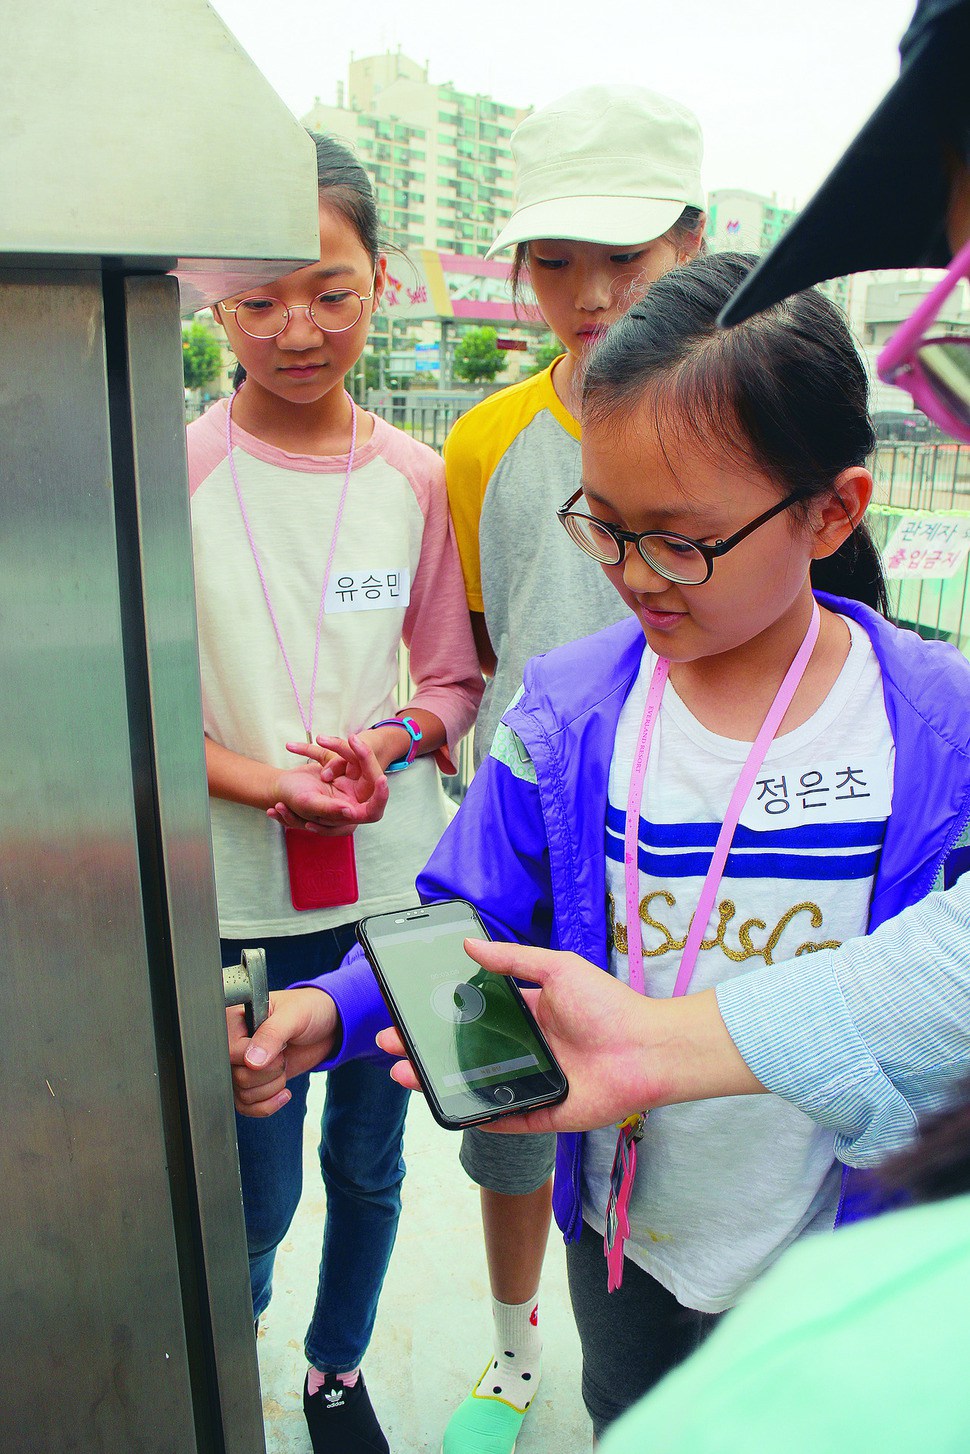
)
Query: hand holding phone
[{"x": 477, "y": 1050}]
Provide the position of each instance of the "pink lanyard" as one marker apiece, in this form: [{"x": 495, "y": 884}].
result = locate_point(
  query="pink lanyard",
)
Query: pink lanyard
[
  {"x": 745, "y": 782},
  {"x": 630, "y": 1131},
  {"x": 306, "y": 717}
]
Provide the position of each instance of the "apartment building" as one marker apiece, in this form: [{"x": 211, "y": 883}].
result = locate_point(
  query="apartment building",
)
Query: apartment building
[
  {"x": 439, "y": 158},
  {"x": 741, "y": 221}
]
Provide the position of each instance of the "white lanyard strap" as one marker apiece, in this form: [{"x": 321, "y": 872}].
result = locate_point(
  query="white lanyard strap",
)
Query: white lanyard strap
[
  {"x": 712, "y": 881},
  {"x": 306, "y": 716}
]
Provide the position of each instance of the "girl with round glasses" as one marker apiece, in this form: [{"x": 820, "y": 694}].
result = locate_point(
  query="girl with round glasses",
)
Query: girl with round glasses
[
  {"x": 322, "y": 540},
  {"x": 740, "y": 773}
]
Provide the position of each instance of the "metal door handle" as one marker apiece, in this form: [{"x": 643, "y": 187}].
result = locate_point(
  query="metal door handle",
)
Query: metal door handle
[{"x": 245, "y": 984}]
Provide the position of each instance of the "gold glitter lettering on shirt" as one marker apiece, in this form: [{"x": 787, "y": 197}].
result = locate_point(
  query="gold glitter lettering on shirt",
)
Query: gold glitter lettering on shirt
[{"x": 746, "y": 947}]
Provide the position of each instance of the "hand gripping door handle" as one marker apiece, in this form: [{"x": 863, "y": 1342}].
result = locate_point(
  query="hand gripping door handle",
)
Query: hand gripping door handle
[{"x": 245, "y": 984}]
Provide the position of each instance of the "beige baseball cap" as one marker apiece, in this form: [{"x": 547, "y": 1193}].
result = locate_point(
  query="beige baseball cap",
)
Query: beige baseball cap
[{"x": 607, "y": 164}]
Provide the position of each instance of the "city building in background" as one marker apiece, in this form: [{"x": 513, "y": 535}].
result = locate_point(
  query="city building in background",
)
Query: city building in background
[
  {"x": 740, "y": 221},
  {"x": 441, "y": 164},
  {"x": 881, "y": 302},
  {"x": 874, "y": 303},
  {"x": 439, "y": 158},
  {"x": 892, "y": 296}
]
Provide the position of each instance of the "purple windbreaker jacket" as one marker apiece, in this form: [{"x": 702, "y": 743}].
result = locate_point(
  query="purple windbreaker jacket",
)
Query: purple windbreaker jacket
[{"x": 532, "y": 856}]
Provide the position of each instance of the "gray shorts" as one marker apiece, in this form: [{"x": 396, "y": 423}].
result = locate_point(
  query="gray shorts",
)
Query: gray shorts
[{"x": 515, "y": 1165}]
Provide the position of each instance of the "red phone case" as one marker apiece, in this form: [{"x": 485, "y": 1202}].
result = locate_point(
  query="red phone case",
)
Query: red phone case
[{"x": 323, "y": 871}]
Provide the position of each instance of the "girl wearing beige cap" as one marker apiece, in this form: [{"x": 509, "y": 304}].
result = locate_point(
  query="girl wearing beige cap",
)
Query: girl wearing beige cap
[{"x": 608, "y": 197}]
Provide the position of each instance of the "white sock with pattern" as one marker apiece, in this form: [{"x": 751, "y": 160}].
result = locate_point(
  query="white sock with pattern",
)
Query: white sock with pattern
[{"x": 516, "y": 1367}]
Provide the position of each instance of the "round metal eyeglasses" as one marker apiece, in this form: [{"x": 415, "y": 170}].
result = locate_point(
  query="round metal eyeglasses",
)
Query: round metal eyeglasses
[
  {"x": 677, "y": 558},
  {"x": 332, "y": 312}
]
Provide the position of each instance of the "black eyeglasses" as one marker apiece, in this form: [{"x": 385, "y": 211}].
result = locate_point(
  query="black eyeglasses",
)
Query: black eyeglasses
[{"x": 675, "y": 557}]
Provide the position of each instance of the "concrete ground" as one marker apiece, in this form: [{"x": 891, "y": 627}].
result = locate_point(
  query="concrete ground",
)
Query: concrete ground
[{"x": 432, "y": 1338}]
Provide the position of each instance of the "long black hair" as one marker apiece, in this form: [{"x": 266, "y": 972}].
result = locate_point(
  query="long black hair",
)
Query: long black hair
[
  {"x": 785, "y": 391},
  {"x": 344, "y": 185}
]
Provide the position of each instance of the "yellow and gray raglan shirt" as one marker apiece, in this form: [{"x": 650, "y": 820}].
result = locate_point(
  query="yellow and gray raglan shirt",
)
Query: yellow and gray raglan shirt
[{"x": 510, "y": 463}]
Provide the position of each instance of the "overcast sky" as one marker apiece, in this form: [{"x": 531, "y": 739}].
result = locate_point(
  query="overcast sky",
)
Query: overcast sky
[{"x": 780, "y": 86}]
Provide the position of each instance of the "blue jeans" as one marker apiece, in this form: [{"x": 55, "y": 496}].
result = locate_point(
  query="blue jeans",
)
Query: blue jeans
[{"x": 361, "y": 1162}]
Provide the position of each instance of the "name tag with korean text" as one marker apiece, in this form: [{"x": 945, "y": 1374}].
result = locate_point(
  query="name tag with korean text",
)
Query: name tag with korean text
[
  {"x": 851, "y": 790},
  {"x": 368, "y": 590}
]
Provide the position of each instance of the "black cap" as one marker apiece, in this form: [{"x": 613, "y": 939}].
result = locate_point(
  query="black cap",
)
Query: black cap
[{"x": 884, "y": 205}]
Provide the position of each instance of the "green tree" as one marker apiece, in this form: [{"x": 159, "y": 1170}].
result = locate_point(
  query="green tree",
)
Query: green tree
[
  {"x": 476, "y": 357},
  {"x": 544, "y": 356},
  {"x": 201, "y": 356}
]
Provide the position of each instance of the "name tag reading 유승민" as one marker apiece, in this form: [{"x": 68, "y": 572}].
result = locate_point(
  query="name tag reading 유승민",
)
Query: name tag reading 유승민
[
  {"x": 854, "y": 790},
  {"x": 368, "y": 590}
]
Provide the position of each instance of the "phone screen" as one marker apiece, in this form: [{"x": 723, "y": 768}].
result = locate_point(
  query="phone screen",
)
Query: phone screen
[{"x": 477, "y": 1047}]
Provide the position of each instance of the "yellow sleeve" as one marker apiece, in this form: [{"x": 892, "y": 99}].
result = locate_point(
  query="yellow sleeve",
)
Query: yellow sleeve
[
  {"x": 473, "y": 450},
  {"x": 466, "y": 479}
]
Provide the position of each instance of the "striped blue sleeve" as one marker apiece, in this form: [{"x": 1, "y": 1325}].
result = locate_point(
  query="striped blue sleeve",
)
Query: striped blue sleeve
[{"x": 868, "y": 1037}]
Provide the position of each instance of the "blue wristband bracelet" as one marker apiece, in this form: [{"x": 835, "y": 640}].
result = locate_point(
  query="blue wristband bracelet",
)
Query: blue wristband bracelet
[{"x": 414, "y": 732}]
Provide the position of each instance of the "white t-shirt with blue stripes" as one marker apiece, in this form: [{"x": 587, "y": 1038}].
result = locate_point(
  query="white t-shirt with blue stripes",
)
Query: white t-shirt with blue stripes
[{"x": 724, "y": 1186}]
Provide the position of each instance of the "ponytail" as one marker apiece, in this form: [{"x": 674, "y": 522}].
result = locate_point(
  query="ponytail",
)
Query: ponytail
[{"x": 854, "y": 571}]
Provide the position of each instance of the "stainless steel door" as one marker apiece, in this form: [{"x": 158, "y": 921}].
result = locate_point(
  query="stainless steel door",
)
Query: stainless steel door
[{"x": 124, "y": 1297}]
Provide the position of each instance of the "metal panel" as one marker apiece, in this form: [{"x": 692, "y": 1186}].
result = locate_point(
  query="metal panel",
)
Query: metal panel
[
  {"x": 165, "y": 665},
  {"x": 90, "y": 1300},
  {"x": 144, "y": 134}
]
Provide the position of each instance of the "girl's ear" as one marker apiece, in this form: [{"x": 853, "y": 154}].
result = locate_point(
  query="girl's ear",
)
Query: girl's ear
[
  {"x": 842, "y": 510},
  {"x": 690, "y": 246},
  {"x": 380, "y": 281}
]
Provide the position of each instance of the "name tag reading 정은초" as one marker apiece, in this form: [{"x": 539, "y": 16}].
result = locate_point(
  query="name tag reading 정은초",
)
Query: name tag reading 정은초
[{"x": 853, "y": 790}]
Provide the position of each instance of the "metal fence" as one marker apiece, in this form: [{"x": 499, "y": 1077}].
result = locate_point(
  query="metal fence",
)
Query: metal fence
[
  {"x": 922, "y": 476},
  {"x": 933, "y": 478},
  {"x": 429, "y": 422}
]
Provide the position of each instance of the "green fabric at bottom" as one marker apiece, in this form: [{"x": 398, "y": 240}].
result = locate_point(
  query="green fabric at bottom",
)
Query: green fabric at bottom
[
  {"x": 855, "y": 1342},
  {"x": 482, "y": 1426}
]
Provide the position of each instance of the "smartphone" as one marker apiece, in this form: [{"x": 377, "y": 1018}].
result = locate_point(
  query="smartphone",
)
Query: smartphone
[
  {"x": 322, "y": 870},
  {"x": 470, "y": 1036}
]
